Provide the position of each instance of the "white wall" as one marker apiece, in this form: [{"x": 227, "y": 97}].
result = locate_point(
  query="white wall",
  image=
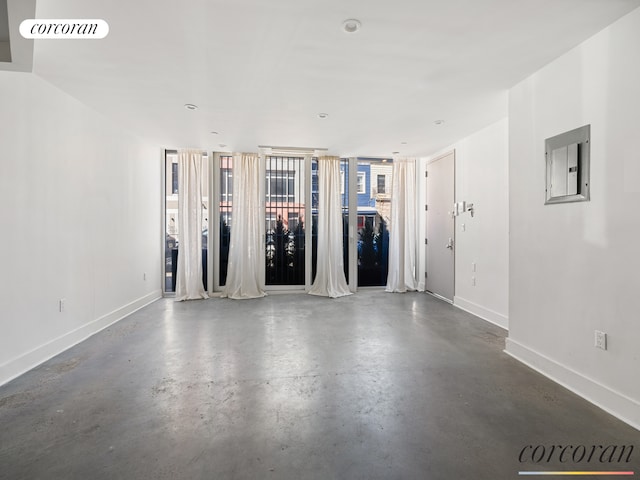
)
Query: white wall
[
  {"x": 482, "y": 179},
  {"x": 80, "y": 221},
  {"x": 575, "y": 267}
]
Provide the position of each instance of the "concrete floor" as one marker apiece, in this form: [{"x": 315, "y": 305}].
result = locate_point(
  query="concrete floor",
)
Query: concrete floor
[{"x": 374, "y": 385}]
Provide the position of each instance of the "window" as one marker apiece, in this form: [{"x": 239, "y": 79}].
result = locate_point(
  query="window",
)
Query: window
[
  {"x": 174, "y": 178},
  {"x": 284, "y": 211},
  {"x": 381, "y": 183},
  {"x": 314, "y": 182},
  {"x": 226, "y": 185},
  {"x": 374, "y": 210},
  {"x": 172, "y": 237},
  {"x": 281, "y": 185},
  {"x": 172, "y": 232},
  {"x": 362, "y": 184},
  {"x": 226, "y": 209}
]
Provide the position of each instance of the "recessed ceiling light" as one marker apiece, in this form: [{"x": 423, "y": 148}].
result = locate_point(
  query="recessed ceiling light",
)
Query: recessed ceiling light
[
  {"x": 190, "y": 106},
  {"x": 351, "y": 25},
  {"x": 323, "y": 115},
  {"x": 439, "y": 122}
]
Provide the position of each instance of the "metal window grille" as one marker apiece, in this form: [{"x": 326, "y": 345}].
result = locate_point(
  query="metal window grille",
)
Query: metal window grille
[{"x": 285, "y": 227}]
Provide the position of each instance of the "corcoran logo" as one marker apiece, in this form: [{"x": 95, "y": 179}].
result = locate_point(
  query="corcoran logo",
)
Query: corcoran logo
[
  {"x": 578, "y": 455},
  {"x": 64, "y": 28}
]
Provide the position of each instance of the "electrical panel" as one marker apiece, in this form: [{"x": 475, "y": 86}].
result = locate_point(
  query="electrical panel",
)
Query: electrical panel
[{"x": 567, "y": 157}]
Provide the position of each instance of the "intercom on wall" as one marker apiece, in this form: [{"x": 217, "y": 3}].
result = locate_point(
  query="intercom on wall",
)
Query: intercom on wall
[{"x": 567, "y": 157}]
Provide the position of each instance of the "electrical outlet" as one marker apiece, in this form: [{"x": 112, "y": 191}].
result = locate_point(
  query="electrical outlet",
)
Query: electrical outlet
[
  {"x": 61, "y": 304},
  {"x": 601, "y": 340}
]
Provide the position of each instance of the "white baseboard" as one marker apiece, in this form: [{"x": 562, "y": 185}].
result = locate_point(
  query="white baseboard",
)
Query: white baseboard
[
  {"x": 25, "y": 362},
  {"x": 617, "y": 404},
  {"x": 482, "y": 312}
]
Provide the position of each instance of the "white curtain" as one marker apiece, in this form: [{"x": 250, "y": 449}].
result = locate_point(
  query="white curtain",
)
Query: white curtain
[
  {"x": 189, "y": 272},
  {"x": 402, "y": 242},
  {"x": 245, "y": 271},
  {"x": 330, "y": 280}
]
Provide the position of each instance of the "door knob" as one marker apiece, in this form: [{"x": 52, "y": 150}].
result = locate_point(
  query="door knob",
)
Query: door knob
[{"x": 449, "y": 243}]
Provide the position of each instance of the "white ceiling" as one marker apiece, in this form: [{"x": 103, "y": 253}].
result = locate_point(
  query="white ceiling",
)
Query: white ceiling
[{"x": 261, "y": 70}]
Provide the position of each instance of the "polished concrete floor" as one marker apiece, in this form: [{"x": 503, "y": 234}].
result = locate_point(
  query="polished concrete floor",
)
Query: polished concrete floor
[{"x": 375, "y": 385}]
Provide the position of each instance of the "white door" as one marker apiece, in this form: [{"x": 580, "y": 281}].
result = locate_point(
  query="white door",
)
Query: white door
[{"x": 440, "y": 247}]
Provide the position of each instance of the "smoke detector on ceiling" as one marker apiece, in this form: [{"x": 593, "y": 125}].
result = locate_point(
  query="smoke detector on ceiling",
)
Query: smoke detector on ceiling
[{"x": 351, "y": 25}]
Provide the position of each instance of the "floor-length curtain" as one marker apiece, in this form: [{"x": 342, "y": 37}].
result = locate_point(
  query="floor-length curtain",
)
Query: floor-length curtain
[
  {"x": 330, "y": 280},
  {"x": 245, "y": 271},
  {"x": 402, "y": 242},
  {"x": 189, "y": 272}
]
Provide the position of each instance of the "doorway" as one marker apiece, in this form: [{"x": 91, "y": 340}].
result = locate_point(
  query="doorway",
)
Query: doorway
[{"x": 440, "y": 242}]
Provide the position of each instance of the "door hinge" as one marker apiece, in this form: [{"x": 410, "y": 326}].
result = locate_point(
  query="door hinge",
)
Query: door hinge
[
  {"x": 425, "y": 241},
  {"x": 426, "y": 207},
  {"x": 426, "y": 174}
]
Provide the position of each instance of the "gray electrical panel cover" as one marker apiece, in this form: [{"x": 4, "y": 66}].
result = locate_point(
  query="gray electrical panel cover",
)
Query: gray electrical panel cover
[{"x": 567, "y": 157}]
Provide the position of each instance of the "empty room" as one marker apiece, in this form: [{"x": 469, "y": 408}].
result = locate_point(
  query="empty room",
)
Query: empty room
[{"x": 319, "y": 240}]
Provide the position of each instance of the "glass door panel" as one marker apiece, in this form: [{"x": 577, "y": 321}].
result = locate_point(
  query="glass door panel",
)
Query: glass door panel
[
  {"x": 285, "y": 221},
  {"x": 373, "y": 186}
]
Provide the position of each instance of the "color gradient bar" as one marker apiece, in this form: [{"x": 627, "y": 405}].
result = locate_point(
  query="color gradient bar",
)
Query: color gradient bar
[{"x": 618, "y": 473}]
